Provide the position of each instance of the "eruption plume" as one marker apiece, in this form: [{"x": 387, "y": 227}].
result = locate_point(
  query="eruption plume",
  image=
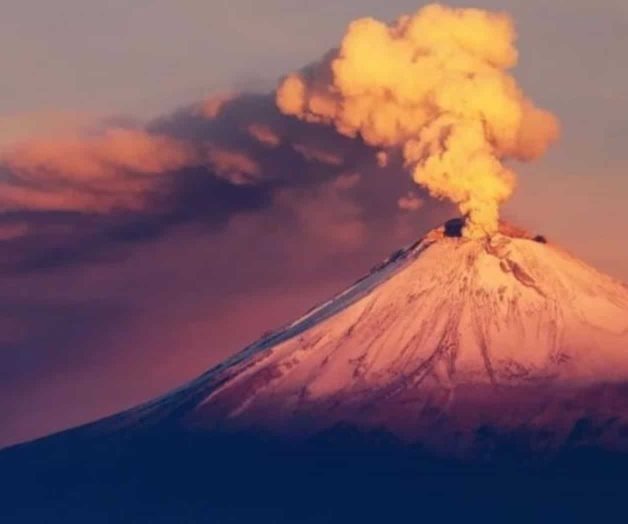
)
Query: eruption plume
[{"x": 436, "y": 86}]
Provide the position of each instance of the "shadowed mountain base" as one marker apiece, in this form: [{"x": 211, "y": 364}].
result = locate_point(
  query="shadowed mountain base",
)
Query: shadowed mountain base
[{"x": 341, "y": 475}]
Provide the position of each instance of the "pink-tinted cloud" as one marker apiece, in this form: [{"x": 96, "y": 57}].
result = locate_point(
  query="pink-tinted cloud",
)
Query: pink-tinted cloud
[
  {"x": 19, "y": 127},
  {"x": 91, "y": 196},
  {"x": 12, "y": 231},
  {"x": 410, "y": 202},
  {"x": 214, "y": 104},
  {"x": 95, "y": 173},
  {"x": 264, "y": 134},
  {"x": 236, "y": 166},
  {"x": 105, "y": 156},
  {"x": 23, "y": 198}
]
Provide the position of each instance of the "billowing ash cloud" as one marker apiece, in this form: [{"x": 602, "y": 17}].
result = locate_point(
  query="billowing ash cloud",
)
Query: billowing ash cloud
[
  {"x": 87, "y": 193},
  {"x": 436, "y": 86}
]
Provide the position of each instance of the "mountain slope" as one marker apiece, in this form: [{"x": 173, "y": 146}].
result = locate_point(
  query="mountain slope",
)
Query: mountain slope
[
  {"x": 450, "y": 326},
  {"x": 446, "y": 338}
]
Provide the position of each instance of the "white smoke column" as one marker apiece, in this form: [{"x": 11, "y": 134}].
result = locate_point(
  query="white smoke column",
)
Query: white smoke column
[{"x": 436, "y": 86}]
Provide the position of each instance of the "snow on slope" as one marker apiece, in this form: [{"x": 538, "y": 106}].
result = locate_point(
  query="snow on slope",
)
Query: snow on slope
[
  {"x": 453, "y": 332},
  {"x": 444, "y": 339}
]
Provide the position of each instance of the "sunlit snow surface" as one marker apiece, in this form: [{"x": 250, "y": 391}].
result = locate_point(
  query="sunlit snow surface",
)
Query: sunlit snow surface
[{"x": 447, "y": 336}]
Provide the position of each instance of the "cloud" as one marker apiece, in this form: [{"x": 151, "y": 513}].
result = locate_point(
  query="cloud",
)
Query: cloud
[
  {"x": 87, "y": 159},
  {"x": 236, "y": 166},
  {"x": 264, "y": 134},
  {"x": 434, "y": 85},
  {"x": 327, "y": 214},
  {"x": 93, "y": 195},
  {"x": 96, "y": 173},
  {"x": 12, "y": 231},
  {"x": 212, "y": 106},
  {"x": 18, "y": 127},
  {"x": 410, "y": 202}
]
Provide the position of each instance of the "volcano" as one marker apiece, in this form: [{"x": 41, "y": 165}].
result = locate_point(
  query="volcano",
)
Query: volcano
[
  {"x": 475, "y": 351},
  {"x": 445, "y": 337}
]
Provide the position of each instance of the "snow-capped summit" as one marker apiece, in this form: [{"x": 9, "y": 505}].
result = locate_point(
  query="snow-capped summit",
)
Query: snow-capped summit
[{"x": 445, "y": 337}]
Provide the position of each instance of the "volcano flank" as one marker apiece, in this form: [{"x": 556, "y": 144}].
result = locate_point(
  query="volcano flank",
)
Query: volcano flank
[
  {"x": 483, "y": 352},
  {"x": 445, "y": 337}
]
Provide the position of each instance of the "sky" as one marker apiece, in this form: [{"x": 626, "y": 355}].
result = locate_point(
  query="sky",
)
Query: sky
[{"x": 115, "y": 288}]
